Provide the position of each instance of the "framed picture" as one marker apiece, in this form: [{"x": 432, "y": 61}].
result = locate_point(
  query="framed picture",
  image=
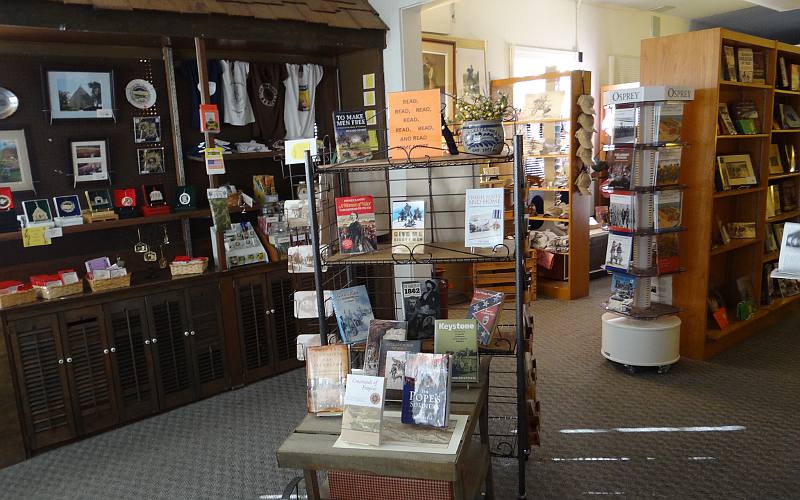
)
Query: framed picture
[
  {"x": 775, "y": 166},
  {"x": 80, "y": 95},
  {"x": 737, "y": 170},
  {"x": 471, "y": 76},
  {"x": 15, "y": 166},
  {"x": 439, "y": 70},
  {"x": 146, "y": 129},
  {"x": 37, "y": 211},
  {"x": 89, "y": 160},
  {"x": 98, "y": 200},
  {"x": 151, "y": 161},
  {"x": 67, "y": 206},
  {"x": 741, "y": 230}
]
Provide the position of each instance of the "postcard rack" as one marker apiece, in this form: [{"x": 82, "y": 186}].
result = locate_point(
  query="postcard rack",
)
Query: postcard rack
[{"x": 440, "y": 180}]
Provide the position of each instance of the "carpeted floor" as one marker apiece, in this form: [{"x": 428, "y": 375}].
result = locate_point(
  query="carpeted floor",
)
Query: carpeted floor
[{"x": 747, "y": 398}]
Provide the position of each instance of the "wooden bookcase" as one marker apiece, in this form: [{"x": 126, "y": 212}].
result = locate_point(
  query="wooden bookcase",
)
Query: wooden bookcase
[
  {"x": 696, "y": 59},
  {"x": 576, "y": 261}
]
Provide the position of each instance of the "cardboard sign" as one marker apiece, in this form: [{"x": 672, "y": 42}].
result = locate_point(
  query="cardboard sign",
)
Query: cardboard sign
[{"x": 415, "y": 120}]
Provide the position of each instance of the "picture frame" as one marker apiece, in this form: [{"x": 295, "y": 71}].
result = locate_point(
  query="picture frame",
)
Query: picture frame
[
  {"x": 67, "y": 205},
  {"x": 146, "y": 129},
  {"x": 471, "y": 75},
  {"x": 37, "y": 211},
  {"x": 98, "y": 200},
  {"x": 737, "y": 170},
  {"x": 741, "y": 230},
  {"x": 439, "y": 71},
  {"x": 79, "y": 94},
  {"x": 15, "y": 164},
  {"x": 89, "y": 160},
  {"x": 151, "y": 161}
]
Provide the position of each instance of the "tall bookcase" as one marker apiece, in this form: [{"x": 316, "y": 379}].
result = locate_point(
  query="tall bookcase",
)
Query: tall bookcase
[{"x": 696, "y": 59}]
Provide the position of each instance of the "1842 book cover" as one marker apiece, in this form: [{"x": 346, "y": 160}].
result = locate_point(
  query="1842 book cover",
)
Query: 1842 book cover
[
  {"x": 355, "y": 219},
  {"x": 352, "y": 138},
  {"x": 426, "y": 390},
  {"x": 363, "y": 409},
  {"x": 326, "y": 376},
  {"x": 422, "y": 306},
  {"x": 459, "y": 338},
  {"x": 485, "y": 308},
  {"x": 353, "y": 313},
  {"x": 392, "y": 364},
  {"x": 408, "y": 226},
  {"x": 381, "y": 329}
]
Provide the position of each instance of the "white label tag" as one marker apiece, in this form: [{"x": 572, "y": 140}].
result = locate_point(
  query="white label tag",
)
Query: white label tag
[
  {"x": 105, "y": 113},
  {"x": 53, "y": 232}
]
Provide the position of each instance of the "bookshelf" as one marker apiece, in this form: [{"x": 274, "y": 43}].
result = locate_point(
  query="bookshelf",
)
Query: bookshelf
[
  {"x": 697, "y": 59},
  {"x": 572, "y": 266}
]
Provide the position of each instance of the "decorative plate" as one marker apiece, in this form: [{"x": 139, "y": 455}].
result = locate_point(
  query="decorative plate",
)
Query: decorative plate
[
  {"x": 140, "y": 93},
  {"x": 8, "y": 103}
]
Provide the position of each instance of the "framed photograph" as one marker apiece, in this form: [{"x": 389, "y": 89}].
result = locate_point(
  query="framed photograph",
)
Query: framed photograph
[
  {"x": 15, "y": 166},
  {"x": 151, "y": 161},
  {"x": 737, "y": 170},
  {"x": 37, "y": 211},
  {"x": 89, "y": 160},
  {"x": 80, "y": 95},
  {"x": 439, "y": 71},
  {"x": 98, "y": 200},
  {"x": 471, "y": 69},
  {"x": 146, "y": 129}
]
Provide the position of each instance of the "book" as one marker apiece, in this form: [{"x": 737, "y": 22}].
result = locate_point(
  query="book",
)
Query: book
[
  {"x": 353, "y": 313},
  {"x": 788, "y": 195},
  {"x": 736, "y": 171},
  {"x": 459, "y": 339},
  {"x": 668, "y": 166},
  {"x": 326, "y": 376},
  {"x": 770, "y": 243},
  {"x": 392, "y": 362},
  {"x": 485, "y": 309},
  {"x": 618, "y": 252},
  {"x": 746, "y": 119},
  {"x": 789, "y": 158},
  {"x": 667, "y": 122},
  {"x": 264, "y": 191},
  {"x": 619, "y": 172},
  {"x": 408, "y": 226},
  {"x": 788, "y": 116},
  {"x": 621, "y": 213},
  {"x": 624, "y": 129},
  {"x": 795, "y": 76},
  {"x": 741, "y": 230},
  {"x": 426, "y": 390},
  {"x": 730, "y": 63},
  {"x": 209, "y": 119},
  {"x": 352, "y": 138},
  {"x": 744, "y": 58},
  {"x": 355, "y": 220},
  {"x": 716, "y": 308},
  {"x": 667, "y": 253},
  {"x": 379, "y": 330},
  {"x": 759, "y": 67},
  {"x": 421, "y": 306},
  {"x": 362, "y": 418},
  {"x": 623, "y": 289},
  {"x": 667, "y": 209},
  {"x": 789, "y": 259},
  {"x": 775, "y": 165},
  {"x": 773, "y": 200},
  {"x": 784, "y": 74},
  {"x": 305, "y": 304},
  {"x": 661, "y": 289},
  {"x": 483, "y": 217},
  {"x": 218, "y": 202},
  {"x": 725, "y": 121}
]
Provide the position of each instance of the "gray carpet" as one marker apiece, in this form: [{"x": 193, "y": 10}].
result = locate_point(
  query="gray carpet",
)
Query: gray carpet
[{"x": 224, "y": 447}]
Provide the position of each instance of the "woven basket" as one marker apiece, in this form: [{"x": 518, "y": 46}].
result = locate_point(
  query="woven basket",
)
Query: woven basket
[
  {"x": 16, "y": 299},
  {"x": 109, "y": 284},
  {"x": 55, "y": 292},
  {"x": 193, "y": 268}
]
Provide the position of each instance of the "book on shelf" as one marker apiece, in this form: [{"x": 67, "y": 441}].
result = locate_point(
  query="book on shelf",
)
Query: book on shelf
[
  {"x": 778, "y": 229},
  {"x": 736, "y": 171},
  {"x": 621, "y": 212},
  {"x": 729, "y": 53},
  {"x": 788, "y": 195},
  {"x": 725, "y": 121},
  {"x": 264, "y": 189},
  {"x": 773, "y": 200},
  {"x": 362, "y": 418},
  {"x": 767, "y": 283},
  {"x": 326, "y": 376},
  {"x": 485, "y": 309},
  {"x": 723, "y": 233},
  {"x": 483, "y": 214},
  {"x": 352, "y": 138},
  {"x": 744, "y": 59},
  {"x": 746, "y": 118},
  {"x": 788, "y": 158},
  {"x": 661, "y": 289},
  {"x": 789, "y": 259},
  {"x": 667, "y": 252},
  {"x": 459, "y": 339},
  {"x": 784, "y": 73},
  {"x": 380, "y": 329},
  {"x": 625, "y": 121},
  {"x": 788, "y": 117},
  {"x": 421, "y": 306},
  {"x": 741, "y": 230},
  {"x": 426, "y": 390},
  {"x": 623, "y": 291},
  {"x": 353, "y": 313},
  {"x": 744, "y": 285},
  {"x": 795, "y": 77},
  {"x": 392, "y": 363},
  {"x": 355, "y": 220},
  {"x": 408, "y": 226},
  {"x": 759, "y": 67},
  {"x": 770, "y": 243},
  {"x": 668, "y": 165},
  {"x": 716, "y": 308},
  {"x": 662, "y": 122},
  {"x": 619, "y": 172},
  {"x": 667, "y": 209},
  {"x": 774, "y": 159},
  {"x": 619, "y": 252}
]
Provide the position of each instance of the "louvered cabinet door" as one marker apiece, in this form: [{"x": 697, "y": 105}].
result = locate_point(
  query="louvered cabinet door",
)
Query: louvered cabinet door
[
  {"x": 283, "y": 326},
  {"x": 126, "y": 323},
  {"x": 207, "y": 344},
  {"x": 88, "y": 355},
  {"x": 170, "y": 348},
  {"x": 42, "y": 381},
  {"x": 251, "y": 305}
]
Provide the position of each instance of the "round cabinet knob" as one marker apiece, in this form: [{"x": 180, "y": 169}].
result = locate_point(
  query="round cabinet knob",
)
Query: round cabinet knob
[
  {"x": 266, "y": 312},
  {"x": 272, "y": 311},
  {"x": 147, "y": 342},
  {"x": 113, "y": 349},
  {"x": 192, "y": 333},
  {"x": 60, "y": 361},
  {"x": 69, "y": 360},
  {"x": 185, "y": 334},
  {"x": 105, "y": 351},
  {"x": 155, "y": 340}
]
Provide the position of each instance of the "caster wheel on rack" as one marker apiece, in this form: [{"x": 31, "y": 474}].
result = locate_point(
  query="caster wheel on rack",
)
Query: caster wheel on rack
[
  {"x": 632, "y": 370},
  {"x": 664, "y": 369}
]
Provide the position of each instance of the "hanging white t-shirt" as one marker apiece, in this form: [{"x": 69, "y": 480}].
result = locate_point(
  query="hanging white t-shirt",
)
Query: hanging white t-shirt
[
  {"x": 238, "y": 110},
  {"x": 298, "y": 108}
]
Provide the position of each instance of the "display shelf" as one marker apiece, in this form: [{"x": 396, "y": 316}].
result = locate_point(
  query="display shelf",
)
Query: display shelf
[
  {"x": 738, "y": 192},
  {"x": 260, "y": 155},
  {"x": 434, "y": 253},
  {"x": 787, "y": 131},
  {"x": 734, "y": 245},
  {"x": 656, "y": 310},
  {"x": 716, "y": 334},
  {"x": 555, "y": 119},
  {"x": 646, "y": 189},
  {"x": 787, "y": 92},
  {"x": 553, "y": 288},
  {"x": 549, "y": 219},
  {"x": 649, "y": 231},
  {"x": 433, "y": 161},
  {"x": 743, "y": 136},
  {"x": 562, "y": 190},
  {"x": 768, "y": 257},
  {"x": 784, "y": 216},
  {"x": 749, "y": 85},
  {"x": 784, "y": 176},
  {"x": 547, "y": 156}
]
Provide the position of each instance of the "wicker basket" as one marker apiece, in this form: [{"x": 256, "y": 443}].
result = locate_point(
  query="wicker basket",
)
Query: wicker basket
[
  {"x": 109, "y": 284},
  {"x": 16, "y": 299},
  {"x": 198, "y": 267},
  {"x": 55, "y": 292}
]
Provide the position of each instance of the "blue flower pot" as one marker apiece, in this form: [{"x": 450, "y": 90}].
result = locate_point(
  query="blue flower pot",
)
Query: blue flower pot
[{"x": 482, "y": 137}]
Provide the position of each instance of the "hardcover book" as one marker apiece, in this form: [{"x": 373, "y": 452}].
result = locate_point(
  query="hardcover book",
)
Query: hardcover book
[
  {"x": 775, "y": 165},
  {"x": 380, "y": 329},
  {"x": 421, "y": 307},
  {"x": 788, "y": 116},
  {"x": 667, "y": 209},
  {"x": 426, "y": 390},
  {"x": 795, "y": 76},
  {"x": 667, "y": 257},
  {"x": 741, "y": 230},
  {"x": 483, "y": 214},
  {"x": 784, "y": 74},
  {"x": 408, "y": 226},
  {"x": 759, "y": 67},
  {"x": 353, "y": 313},
  {"x": 352, "y": 138},
  {"x": 355, "y": 219},
  {"x": 363, "y": 409},
  {"x": 744, "y": 57},
  {"x": 726, "y": 126},
  {"x": 485, "y": 309},
  {"x": 620, "y": 212},
  {"x": 392, "y": 363},
  {"x": 623, "y": 289},
  {"x": 788, "y": 196},
  {"x": 459, "y": 339},
  {"x": 326, "y": 376},
  {"x": 619, "y": 252}
]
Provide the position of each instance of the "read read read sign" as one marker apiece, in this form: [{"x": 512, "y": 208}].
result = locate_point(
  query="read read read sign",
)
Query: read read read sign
[{"x": 415, "y": 120}]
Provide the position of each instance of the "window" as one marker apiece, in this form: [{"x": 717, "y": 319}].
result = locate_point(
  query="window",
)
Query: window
[{"x": 530, "y": 61}]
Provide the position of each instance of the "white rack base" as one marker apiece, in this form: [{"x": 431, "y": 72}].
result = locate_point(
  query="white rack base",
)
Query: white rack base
[{"x": 634, "y": 342}]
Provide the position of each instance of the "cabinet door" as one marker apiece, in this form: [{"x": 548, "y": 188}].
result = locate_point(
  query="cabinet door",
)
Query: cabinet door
[
  {"x": 126, "y": 323},
  {"x": 251, "y": 304},
  {"x": 207, "y": 344},
  {"x": 282, "y": 323},
  {"x": 42, "y": 381},
  {"x": 87, "y": 352},
  {"x": 170, "y": 349}
]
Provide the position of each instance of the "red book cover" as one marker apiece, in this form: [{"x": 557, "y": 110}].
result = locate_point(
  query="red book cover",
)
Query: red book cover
[
  {"x": 6, "y": 199},
  {"x": 209, "y": 118},
  {"x": 667, "y": 257},
  {"x": 485, "y": 307},
  {"x": 355, "y": 219}
]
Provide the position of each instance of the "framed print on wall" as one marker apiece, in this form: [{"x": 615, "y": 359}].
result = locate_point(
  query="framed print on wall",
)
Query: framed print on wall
[
  {"x": 438, "y": 71},
  {"x": 146, "y": 129},
  {"x": 76, "y": 95},
  {"x": 471, "y": 78},
  {"x": 89, "y": 160},
  {"x": 15, "y": 166},
  {"x": 151, "y": 161}
]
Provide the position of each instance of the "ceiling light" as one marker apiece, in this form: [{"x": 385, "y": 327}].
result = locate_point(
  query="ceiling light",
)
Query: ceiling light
[
  {"x": 779, "y": 5},
  {"x": 662, "y": 8}
]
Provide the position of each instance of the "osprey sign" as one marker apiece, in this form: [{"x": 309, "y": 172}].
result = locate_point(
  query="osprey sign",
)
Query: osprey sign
[{"x": 654, "y": 93}]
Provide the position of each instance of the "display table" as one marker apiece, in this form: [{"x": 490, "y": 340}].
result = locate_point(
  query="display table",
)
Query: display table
[{"x": 458, "y": 476}]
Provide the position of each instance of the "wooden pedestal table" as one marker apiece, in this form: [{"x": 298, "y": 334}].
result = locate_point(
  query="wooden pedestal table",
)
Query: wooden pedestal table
[{"x": 310, "y": 447}]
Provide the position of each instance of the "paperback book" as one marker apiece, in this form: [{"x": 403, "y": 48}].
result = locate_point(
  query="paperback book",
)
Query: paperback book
[
  {"x": 667, "y": 209},
  {"x": 426, "y": 390},
  {"x": 352, "y": 137},
  {"x": 379, "y": 330},
  {"x": 355, "y": 219},
  {"x": 623, "y": 290},
  {"x": 408, "y": 226},
  {"x": 392, "y": 364},
  {"x": 726, "y": 126},
  {"x": 326, "y": 376},
  {"x": 744, "y": 57},
  {"x": 363, "y": 409},
  {"x": 483, "y": 213},
  {"x": 485, "y": 309},
  {"x": 730, "y": 63},
  {"x": 746, "y": 119},
  {"x": 353, "y": 313},
  {"x": 668, "y": 166},
  {"x": 619, "y": 252},
  {"x": 459, "y": 339},
  {"x": 421, "y": 307},
  {"x": 667, "y": 256},
  {"x": 621, "y": 213},
  {"x": 619, "y": 172},
  {"x": 667, "y": 122},
  {"x": 625, "y": 119}
]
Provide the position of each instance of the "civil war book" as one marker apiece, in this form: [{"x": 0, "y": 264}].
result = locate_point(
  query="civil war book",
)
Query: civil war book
[
  {"x": 485, "y": 309},
  {"x": 426, "y": 390},
  {"x": 392, "y": 363},
  {"x": 623, "y": 291},
  {"x": 621, "y": 212},
  {"x": 352, "y": 137},
  {"x": 664, "y": 122},
  {"x": 353, "y": 313},
  {"x": 459, "y": 338},
  {"x": 483, "y": 214},
  {"x": 355, "y": 220},
  {"x": 326, "y": 376},
  {"x": 421, "y": 306},
  {"x": 362, "y": 418},
  {"x": 408, "y": 226},
  {"x": 379, "y": 330},
  {"x": 667, "y": 209},
  {"x": 620, "y": 169},
  {"x": 666, "y": 253},
  {"x": 668, "y": 166},
  {"x": 619, "y": 252}
]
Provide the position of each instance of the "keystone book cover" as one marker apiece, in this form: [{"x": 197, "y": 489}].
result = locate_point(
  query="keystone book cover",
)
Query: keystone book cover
[
  {"x": 379, "y": 330},
  {"x": 352, "y": 138},
  {"x": 426, "y": 390},
  {"x": 485, "y": 308},
  {"x": 363, "y": 409},
  {"x": 353, "y": 313},
  {"x": 326, "y": 374},
  {"x": 421, "y": 306},
  {"x": 355, "y": 219},
  {"x": 459, "y": 338},
  {"x": 408, "y": 226},
  {"x": 392, "y": 364}
]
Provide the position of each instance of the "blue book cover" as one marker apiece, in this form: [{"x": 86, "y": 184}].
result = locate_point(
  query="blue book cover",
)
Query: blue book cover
[
  {"x": 353, "y": 313},
  {"x": 408, "y": 226},
  {"x": 623, "y": 291},
  {"x": 426, "y": 390}
]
